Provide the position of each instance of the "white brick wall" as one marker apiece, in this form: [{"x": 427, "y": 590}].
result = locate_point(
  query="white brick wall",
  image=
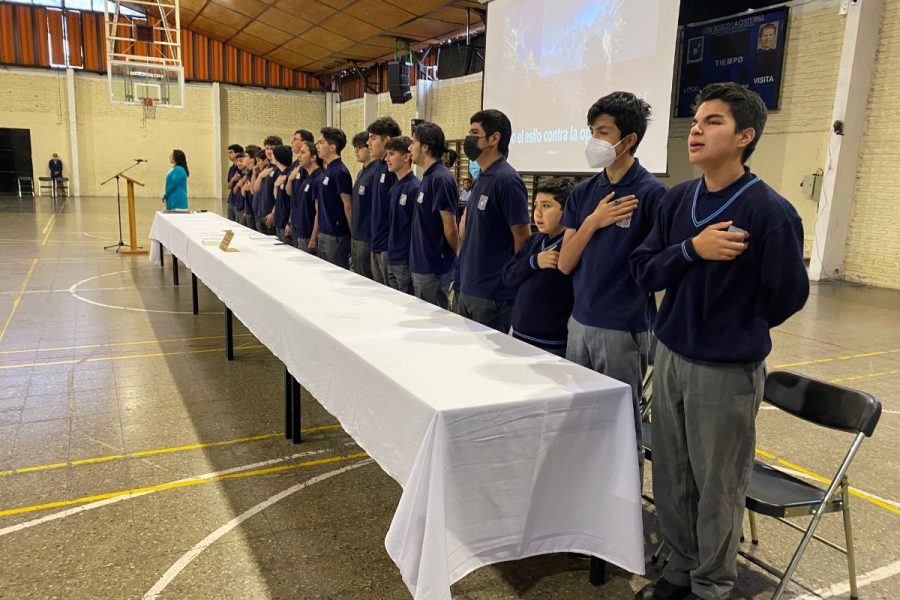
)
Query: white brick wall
[
  {"x": 37, "y": 101},
  {"x": 873, "y": 244}
]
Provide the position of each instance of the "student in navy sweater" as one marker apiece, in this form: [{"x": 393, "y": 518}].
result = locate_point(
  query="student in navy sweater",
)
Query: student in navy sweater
[
  {"x": 545, "y": 296},
  {"x": 728, "y": 251},
  {"x": 403, "y": 200}
]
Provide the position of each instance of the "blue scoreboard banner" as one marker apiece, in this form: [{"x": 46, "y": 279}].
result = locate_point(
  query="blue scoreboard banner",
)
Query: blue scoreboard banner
[{"x": 747, "y": 49}]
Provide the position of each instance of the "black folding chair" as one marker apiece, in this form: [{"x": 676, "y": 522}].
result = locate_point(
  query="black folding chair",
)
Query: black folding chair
[{"x": 782, "y": 496}]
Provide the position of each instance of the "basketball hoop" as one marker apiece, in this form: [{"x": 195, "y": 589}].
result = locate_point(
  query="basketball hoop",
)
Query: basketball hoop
[{"x": 149, "y": 108}]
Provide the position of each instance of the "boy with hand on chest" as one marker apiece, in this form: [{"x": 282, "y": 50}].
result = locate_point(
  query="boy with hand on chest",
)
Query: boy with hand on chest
[
  {"x": 544, "y": 298},
  {"x": 728, "y": 251}
]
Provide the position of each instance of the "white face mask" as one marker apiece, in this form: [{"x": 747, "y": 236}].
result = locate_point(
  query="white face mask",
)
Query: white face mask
[{"x": 600, "y": 153}]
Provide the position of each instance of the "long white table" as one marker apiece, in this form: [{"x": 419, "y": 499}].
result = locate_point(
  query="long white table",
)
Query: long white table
[{"x": 503, "y": 451}]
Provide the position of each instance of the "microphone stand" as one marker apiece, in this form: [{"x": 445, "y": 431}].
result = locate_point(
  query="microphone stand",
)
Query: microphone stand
[{"x": 120, "y": 243}]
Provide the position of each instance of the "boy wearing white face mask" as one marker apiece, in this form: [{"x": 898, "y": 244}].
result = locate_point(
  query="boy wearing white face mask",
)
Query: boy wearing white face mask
[{"x": 606, "y": 218}]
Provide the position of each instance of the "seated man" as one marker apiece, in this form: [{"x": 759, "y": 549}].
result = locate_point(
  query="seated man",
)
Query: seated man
[{"x": 56, "y": 167}]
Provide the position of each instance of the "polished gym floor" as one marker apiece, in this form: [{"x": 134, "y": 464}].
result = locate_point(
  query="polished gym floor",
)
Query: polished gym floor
[{"x": 135, "y": 461}]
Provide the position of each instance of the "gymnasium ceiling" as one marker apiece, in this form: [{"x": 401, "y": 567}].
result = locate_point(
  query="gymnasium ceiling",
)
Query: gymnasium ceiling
[{"x": 320, "y": 36}]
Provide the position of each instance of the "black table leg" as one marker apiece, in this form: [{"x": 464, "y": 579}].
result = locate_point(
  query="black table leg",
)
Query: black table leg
[
  {"x": 175, "y": 269},
  {"x": 229, "y": 334},
  {"x": 598, "y": 571},
  {"x": 288, "y": 405},
  {"x": 162, "y": 256},
  {"x": 295, "y": 410},
  {"x": 194, "y": 299}
]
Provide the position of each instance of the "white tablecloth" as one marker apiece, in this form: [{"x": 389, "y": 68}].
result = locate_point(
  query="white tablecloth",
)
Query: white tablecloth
[{"x": 503, "y": 451}]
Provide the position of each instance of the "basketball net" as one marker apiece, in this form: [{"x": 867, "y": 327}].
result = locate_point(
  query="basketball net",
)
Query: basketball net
[{"x": 149, "y": 109}]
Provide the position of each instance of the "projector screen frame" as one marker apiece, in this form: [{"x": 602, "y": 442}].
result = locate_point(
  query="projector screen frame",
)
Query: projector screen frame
[{"x": 665, "y": 111}]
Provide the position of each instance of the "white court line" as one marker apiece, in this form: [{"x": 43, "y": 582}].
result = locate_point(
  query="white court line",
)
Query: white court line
[
  {"x": 206, "y": 542},
  {"x": 100, "y": 503},
  {"x": 839, "y": 589},
  {"x": 75, "y": 286}
]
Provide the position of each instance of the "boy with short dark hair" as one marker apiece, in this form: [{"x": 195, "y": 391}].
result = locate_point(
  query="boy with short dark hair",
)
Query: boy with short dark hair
[
  {"x": 435, "y": 236},
  {"x": 361, "y": 228},
  {"x": 403, "y": 201},
  {"x": 495, "y": 223},
  {"x": 233, "y": 176},
  {"x": 303, "y": 225},
  {"x": 544, "y": 295},
  {"x": 606, "y": 218},
  {"x": 380, "y": 131},
  {"x": 281, "y": 211},
  {"x": 265, "y": 188},
  {"x": 728, "y": 250},
  {"x": 333, "y": 200}
]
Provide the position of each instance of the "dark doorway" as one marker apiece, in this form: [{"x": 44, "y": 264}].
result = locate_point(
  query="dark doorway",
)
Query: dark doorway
[{"x": 15, "y": 158}]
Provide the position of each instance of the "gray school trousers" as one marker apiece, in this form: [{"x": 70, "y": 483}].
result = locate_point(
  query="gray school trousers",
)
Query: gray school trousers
[
  {"x": 432, "y": 288},
  {"x": 335, "y": 249},
  {"x": 399, "y": 278},
  {"x": 704, "y": 440},
  {"x": 491, "y": 313},
  {"x": 622, "y": 355},
  {"x": 361, "y": 258},
  {"x": 380, "y": 267}
]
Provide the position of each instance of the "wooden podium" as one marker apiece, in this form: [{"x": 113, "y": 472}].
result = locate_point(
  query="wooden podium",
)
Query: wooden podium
[{"x": 132, "y": 248}]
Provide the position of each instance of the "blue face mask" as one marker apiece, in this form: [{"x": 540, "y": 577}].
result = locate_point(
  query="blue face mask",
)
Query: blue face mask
[{"x": 474, "y": 169}]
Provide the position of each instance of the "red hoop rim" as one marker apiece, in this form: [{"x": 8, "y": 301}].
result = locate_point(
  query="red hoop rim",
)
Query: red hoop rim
[{"x": 147, "y": 101}]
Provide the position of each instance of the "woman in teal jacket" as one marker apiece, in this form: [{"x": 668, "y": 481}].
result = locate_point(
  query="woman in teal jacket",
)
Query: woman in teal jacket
[{"x": 176, "y": 182}]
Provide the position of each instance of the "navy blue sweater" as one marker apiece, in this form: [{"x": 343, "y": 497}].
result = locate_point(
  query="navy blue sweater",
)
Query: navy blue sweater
[
  {"x": 545, "y": 297},
  {"x": 721, "y": 311}
]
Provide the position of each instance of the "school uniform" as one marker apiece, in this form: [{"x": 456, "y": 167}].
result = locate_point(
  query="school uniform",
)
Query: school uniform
[
  {"x": 237, "y": 201},
  {"x": 303, "y": 206},
  {"x": 609, "y": 331},
  {"x": 380, "y": 218},
  {"x": 431, "y": 258},
  {"x": 229, "y": 205},
  {"x": 544, "y": 297},
  {"x": 266, "y": 201},
  {"x": 498, "y": 202},
  {"x": 709, "y": 371},
  {"x": 403, "y": 201},
  {"x": 361, "y": 227},
  {"x": 283, "y": 206},
  {"x": 334, "y": 230}
]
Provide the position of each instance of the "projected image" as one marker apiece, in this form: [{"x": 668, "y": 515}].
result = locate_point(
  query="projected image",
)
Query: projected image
[{"x": 548, "y": 60}]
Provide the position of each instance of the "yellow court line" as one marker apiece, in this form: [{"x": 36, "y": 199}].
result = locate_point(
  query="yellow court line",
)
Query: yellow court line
[
  {"x": 124, "y": 357},
  {"x": 178, "y": 484},
  {"x": 865, "y": 376},
  {"x": 155, "y": 452},
  {"x": 821, "y": 478},
  {"x": 836, "y": 358},
  {"x": 16, "y": 300},
  {"x": 115, "y": 344},
  {"x": 48, "y": 228}
]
